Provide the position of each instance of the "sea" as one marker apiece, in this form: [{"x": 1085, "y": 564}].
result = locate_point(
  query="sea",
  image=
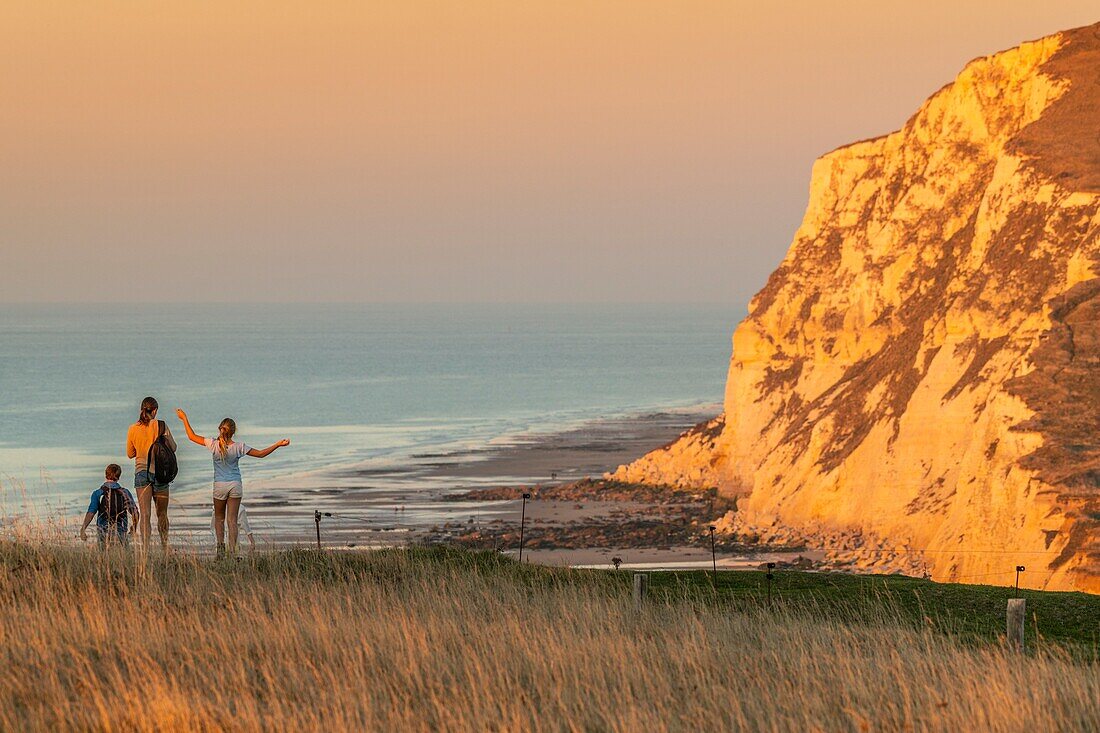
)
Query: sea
[{"x": 345, "y": 383}]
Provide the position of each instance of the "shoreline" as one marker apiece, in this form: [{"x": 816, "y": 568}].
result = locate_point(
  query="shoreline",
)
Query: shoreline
[
  {"x": 470, "y": 496},
  {"x": 380, "y": 502}
]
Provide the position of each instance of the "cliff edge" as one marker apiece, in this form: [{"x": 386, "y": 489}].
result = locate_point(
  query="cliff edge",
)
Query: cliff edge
[{"x": 917, "y": 387}]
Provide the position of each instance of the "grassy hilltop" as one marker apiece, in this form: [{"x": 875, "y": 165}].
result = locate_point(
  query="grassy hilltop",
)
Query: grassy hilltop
[{"x": 436, "y": 639}]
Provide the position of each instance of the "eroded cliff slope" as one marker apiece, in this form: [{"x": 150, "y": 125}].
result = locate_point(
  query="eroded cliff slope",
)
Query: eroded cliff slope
[{"x": 918, "y": 384}]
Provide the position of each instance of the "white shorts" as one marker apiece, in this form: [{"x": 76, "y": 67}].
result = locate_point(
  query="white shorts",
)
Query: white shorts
[{"x": 228, "y": 490}]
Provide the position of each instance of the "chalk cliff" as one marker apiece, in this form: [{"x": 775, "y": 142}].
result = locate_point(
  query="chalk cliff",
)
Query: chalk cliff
[{"x": 917, "y": 387}]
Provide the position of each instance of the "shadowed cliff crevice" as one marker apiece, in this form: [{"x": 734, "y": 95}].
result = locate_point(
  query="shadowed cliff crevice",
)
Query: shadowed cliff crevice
[
  {"x": 1064, "y": 144},
  {"x": 1063, "y": 390}
]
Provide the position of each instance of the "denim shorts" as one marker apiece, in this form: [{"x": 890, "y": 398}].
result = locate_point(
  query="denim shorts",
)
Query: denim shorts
[{"x": 145, "y": 478}]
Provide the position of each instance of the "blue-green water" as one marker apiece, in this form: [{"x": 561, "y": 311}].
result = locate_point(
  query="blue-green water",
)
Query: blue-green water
[{"x": 345, "y": 383}]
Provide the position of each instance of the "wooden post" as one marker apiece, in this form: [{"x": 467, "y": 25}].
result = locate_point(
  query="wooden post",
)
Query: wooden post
[
  {"x": 522, "y": 521},
  {"x": 641, "y": 583},
  {"x": 1015, "y": 622},
  {"x": 713, "y": 559}
]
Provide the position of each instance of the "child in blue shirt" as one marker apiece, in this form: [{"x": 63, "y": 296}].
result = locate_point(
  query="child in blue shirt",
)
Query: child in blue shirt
[{"x": 109, "y": 506}]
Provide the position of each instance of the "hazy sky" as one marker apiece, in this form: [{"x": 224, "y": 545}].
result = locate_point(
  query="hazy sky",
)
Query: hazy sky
[{"x": 512, "y": 150}]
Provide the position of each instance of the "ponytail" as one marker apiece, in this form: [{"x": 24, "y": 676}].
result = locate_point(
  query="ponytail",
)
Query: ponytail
[
  {"x": 227, "y": 428},
  {"x": 149, "y": 406}
]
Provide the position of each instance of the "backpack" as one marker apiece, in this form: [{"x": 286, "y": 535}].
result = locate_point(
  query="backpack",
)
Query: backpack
[
  {"x": 162, "y": 458},
  {"x": 112, "y": 505}
]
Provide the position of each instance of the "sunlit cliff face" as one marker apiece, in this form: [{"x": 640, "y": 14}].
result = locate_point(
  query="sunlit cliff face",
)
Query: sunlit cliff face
[{"x": 916, "y": 385}]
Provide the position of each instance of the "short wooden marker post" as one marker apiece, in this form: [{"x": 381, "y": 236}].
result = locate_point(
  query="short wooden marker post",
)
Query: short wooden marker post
[
  {"x": 522, "y": 522},
  {"x": 641, "y": 584},
  {"x": 1015, "y": 622},
  {"x": 713, "y": 559}
]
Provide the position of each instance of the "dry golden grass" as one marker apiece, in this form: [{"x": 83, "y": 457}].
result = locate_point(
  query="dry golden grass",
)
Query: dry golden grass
[{"x": 441, "y": 640}]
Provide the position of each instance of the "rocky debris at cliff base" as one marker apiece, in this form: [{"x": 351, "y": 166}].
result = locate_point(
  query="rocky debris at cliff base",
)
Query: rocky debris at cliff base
[
  {"x": 595, "y": 513},
  {"x": 606, "y": 514},
  {"x": 843, "y": 549},
  {"x": 591, "y": 489}
]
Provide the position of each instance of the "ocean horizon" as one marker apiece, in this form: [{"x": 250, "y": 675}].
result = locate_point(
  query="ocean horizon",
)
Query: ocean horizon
[{"x": 347, "y": 383}]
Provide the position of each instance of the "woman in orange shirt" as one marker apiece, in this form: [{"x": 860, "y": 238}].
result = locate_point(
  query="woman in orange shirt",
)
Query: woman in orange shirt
[{"x": 139, "y": 439}]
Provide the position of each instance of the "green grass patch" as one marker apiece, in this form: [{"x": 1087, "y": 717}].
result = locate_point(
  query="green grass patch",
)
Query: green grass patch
[{"x": 1066, "y": 619}]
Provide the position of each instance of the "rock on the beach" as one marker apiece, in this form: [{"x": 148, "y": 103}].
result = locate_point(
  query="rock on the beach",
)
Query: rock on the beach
[{"x": 922, "y": 371}]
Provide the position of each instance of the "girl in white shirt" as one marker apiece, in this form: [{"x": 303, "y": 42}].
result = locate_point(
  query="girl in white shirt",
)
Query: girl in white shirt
[{"x": 228, "y": 486}]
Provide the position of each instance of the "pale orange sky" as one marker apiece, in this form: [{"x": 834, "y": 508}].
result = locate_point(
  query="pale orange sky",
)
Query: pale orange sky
[{"x": 470, "y": 151}]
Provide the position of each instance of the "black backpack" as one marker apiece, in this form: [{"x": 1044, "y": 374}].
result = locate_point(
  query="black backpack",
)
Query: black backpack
[
  {"x": 112, "y": 505},
  {"x": 162, "y": 459}
]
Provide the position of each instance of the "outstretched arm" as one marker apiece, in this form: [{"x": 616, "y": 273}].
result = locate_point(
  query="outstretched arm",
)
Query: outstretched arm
[
  {"x": 191, "y": 434},
  {"x": 268, "y": 450}
]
